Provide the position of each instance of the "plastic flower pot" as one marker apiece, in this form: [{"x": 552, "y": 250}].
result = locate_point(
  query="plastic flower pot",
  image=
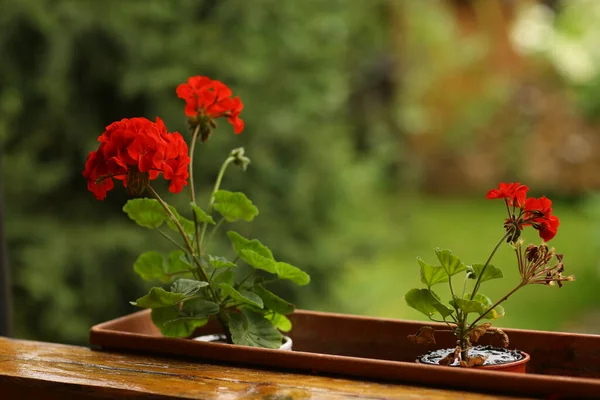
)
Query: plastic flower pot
[
  {"x": 498, "y": 359},
  {"x": 220, "y": 338}
]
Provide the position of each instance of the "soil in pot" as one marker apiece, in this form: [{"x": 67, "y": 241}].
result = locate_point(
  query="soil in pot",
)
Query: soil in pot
[
  {"x": 498, "y": 359},
  {"x": 220, "y": 338}
]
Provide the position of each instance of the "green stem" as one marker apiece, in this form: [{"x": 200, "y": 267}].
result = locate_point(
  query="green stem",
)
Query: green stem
[
  {"x": 173, "y": 218},
  {"x": 245, "y": 279},
  {"x": 228, "y": 161},
  {"x": 192, "y": 190},
  {"x": 192, "y": 147},
  {"x": 450, "y": 283},
  {"x": 180, "y": 272},
  {"x": 214, "y": 230},
  {"x": 478, "y": 282},
  {"x": 170, "y": 239},
  {"x": 519, "y": 286},
  {"x": 465, "y": 284},
  {"x": 201, "y": 270}
]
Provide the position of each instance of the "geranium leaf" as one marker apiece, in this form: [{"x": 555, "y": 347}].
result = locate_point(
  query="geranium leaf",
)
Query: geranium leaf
[
  {"x": 234, "y": 206},
  {"x": 186, "y": 224},
  {"x": 188, "y": 287},
  {"x": 249, "y": 328},
  {"x": 159, "y": 297},
  {"x": 450, "y": 263},
  {"x": 240, "y": 243},
  {"x": 258, "y": 261},
  {"x": 291, "y": 273},
  {"x": 490, "y": 272},
  {"x": 281, "y": 322},
  {"x": 220, "y": 262},
  {"x": 150, "y": 266},
  {"x": 224, "y": 277},
  {"x": 145, "y": 212},
  {"x": 273, "y": 302},
  {"x": 469, "y": 306},
  {"x": 425, "y": 301},
  {"x": 485, "y": 301},
  {"x": 199, "y": 308},
  {"x": 242, "y": 296},
  {"x": 201, "y": 215},
  {"x": 431, "y": 275},
  {"x": 172, "y": 323},
  {"x": 177, "y": 262}
]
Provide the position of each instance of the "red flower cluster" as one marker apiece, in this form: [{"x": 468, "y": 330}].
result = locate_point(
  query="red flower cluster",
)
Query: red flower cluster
[
  {"x": 136, "y": 151},
  {"x": 513, "y": 193},
  {"x": 532, "y": 212},
  {"x": 207, "y": 99}
]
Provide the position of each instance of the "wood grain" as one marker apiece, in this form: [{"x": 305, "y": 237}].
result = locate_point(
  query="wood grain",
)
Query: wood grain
[{"x": 34, "y": 370}]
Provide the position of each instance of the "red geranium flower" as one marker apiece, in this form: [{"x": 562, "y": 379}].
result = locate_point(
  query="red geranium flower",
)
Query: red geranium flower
[
  {"x": 137, "y": 151},
  {"x": 206, "y": 100},
  {"x": 513, "y": 193},
  {"x": 538, "y": 213}
]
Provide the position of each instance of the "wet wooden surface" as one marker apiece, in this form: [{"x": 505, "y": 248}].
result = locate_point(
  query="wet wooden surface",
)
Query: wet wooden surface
[{"x": 34, "y": 370}]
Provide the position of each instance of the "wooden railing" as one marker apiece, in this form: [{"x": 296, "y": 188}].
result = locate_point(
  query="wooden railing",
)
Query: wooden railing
[{"x": 35, "y": 370}]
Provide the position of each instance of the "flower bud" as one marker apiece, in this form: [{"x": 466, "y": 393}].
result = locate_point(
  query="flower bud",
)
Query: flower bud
[{"x": 239, "y": 159}]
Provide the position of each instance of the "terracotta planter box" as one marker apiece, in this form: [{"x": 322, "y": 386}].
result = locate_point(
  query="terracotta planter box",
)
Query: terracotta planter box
[{"x": 561, "y": 363}]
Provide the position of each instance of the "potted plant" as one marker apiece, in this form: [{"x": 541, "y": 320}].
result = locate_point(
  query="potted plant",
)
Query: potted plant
[
  {"x": 467, "y": 311},
  {"x": 201, "y": 285}
]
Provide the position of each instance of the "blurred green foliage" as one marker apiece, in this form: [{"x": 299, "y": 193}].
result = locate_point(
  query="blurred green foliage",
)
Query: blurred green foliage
[{"x": 326, "y": 129}]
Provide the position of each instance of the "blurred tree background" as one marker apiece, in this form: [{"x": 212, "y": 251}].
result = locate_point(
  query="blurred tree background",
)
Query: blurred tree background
[{"x": 375, "y": 127}]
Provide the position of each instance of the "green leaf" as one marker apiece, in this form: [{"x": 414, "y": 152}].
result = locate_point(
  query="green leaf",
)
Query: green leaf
[
  {"x": 150, "y": 266},
  {"x": 145, "y": 212},
  {"x": 425, "y": 301},
  {"x": 281, "y": 322},
  {"x": 258, "y": 261},
  {"x": 234, "y": 206},
  {"x": 490, "y": 272},
  {"x": 294, "y": 274},
  {"x": 497, "y": 312},
  {"x": 201, "y": 215},
  {"x": 177, "y": 262},
  {"x": 199, "y": 308},
  {"x": 450, "y": 263},
  {"x": 243, "y": 296},
  {"x": 224, "y": 277},
  {"x": 273, "y": 302},
  {"x": 188, "y": 287},
  {"x": 241, "y": 243},
  {"x": 249, "y": 328},
  {"x": 159, "y": 297},
  {"x": 469, "y": 306},
  {"x": 431, "y": 275},
  {"x": 186, "y": 224},
  {"x": 172, "y": 324},
  {"x": 220, "y": 262}
]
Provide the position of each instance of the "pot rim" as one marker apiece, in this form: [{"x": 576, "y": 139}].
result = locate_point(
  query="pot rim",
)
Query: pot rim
[
  {"x": 286, "y": 344},
  {"x": 524, "y": 360}
]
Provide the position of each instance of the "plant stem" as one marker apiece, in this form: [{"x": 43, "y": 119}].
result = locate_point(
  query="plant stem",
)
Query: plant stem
[
  {"x": 201, "y": 270},
  {"x": 224, "y": 321},
  {"x": 170, "y": 239},
  {"x": 478, "y": 282},
  {"x": 465, "y": 284},
  {"x": 245, "y": 279},
  {"x": 228, "y": 161},
  {"x": 173, "y": 218},
  {"x": 192, "y": 147},
  {"x": 519, "y": 286},
  {"x": 192, "y": 190},
  {"x": 214, "y": 230}
]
